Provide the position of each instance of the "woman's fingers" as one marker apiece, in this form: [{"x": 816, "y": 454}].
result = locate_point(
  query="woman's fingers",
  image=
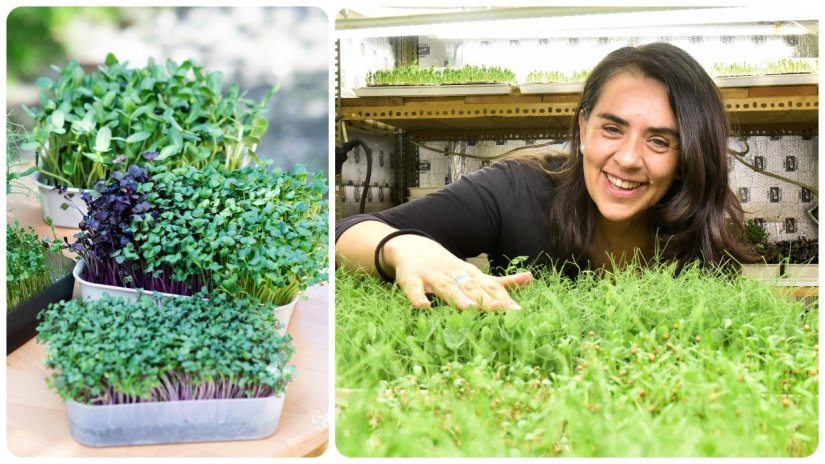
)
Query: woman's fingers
[
  {"x": 465, "y": 288},
  {"x": 515, "y": 280},
  {"x": 483, "y": 291},
  {"x": 415, "y": 292},
  {"x": 499, "y": 292},
  {"x": 467, "y": 293}
]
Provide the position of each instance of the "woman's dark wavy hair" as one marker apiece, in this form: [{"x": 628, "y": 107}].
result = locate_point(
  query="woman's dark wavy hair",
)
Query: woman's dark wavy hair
[{"x": 699, "y": 218}]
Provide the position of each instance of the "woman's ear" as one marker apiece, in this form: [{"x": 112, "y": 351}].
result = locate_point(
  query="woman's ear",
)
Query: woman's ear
[{"x": 582, "y": 129}]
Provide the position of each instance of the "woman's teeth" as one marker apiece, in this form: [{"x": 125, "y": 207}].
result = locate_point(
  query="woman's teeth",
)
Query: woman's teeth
[{"x": 623, "y": 184}]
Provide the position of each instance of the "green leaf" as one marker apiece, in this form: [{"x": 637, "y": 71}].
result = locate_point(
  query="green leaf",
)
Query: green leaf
[
  {"x": 272, "y": 91},
  {"x": 138, "y": 137},
  {"x": 68, "y": 165},
  {"x": 167, "y": 151},
  {"x": 454, "y": 339},
  {"x": 96, "y": 157},
  {"x": 214, "y": 80},
  {"x": 109, "y": 98},
  {"x": 140, "y": 111},
  {"x": 201, "y": 153},
  {"x": 171, "y": 67},
  {"x": 259, "y": 127},
  {"x": 30, "y": 145},
  {"x": 175, "y": 137},
  {"x": 85, "y": 125},
  {"x": 57, "y": 120},
  {"x": 111, "y": 60},
  {"x": 44, "y": 82},
  {"x": 103, "y": 140}
]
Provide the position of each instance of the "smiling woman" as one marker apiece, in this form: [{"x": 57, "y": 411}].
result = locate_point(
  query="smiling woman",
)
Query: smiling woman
[
  {"x": 630, "y": 160},
  {"x": 646, "y": 176},
  {"x": 651, "y": 115}
]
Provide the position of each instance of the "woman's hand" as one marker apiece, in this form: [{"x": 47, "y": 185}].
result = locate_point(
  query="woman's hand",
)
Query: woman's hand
[{"x": 422, "y": 267}]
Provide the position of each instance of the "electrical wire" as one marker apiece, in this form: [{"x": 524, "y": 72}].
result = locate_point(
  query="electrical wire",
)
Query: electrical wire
[
  {"x": 482, "y": 158},
  {"x": 739, "y": 156}
]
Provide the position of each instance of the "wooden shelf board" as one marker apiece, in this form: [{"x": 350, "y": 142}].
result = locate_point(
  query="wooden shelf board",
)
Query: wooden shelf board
[{"x": 791, "y": 108}]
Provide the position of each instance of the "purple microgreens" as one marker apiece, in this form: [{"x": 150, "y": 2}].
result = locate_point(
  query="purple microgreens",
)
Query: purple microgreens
[{"x": 104, "y": 230}]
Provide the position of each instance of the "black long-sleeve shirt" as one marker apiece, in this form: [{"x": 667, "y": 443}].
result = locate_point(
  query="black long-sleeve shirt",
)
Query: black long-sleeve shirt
[{"x": 501, "y": 210}]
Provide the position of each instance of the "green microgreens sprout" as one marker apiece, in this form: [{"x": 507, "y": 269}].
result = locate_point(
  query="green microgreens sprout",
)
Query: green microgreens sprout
[
  {"x": 630, "y": 363},
  {"x": 88, "y": 124},
  {"x": 116, "y": 351},
  {"x": 28, "y": 267},
  {"x": 255, "y": 232},
  {"x": 414, "y": 75}
]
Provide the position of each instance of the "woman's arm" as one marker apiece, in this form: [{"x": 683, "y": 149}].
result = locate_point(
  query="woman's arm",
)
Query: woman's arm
[
  {"x": 477, "y": 213},
  {"x": 421, "y": 266}
]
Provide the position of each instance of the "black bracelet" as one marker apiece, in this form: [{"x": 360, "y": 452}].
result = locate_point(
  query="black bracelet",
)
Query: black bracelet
[{"x": 386, "y": 239}]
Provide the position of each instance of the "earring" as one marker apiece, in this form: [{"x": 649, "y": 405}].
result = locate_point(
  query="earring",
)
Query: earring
[{"x": 581, "y": 149}]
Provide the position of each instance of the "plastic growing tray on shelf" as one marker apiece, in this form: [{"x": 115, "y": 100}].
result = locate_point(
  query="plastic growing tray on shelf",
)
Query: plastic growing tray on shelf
[
  {"x": 767, "y": 80},
  {"x": 550, "y": 87},
  {"x": 433, "y": 90},
  {"x": 93, "y": 291},
  {"x": 174, "y": 421}
]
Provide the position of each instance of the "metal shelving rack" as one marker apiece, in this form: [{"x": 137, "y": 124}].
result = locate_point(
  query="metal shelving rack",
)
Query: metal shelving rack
[{"x": 758, "y": 110}]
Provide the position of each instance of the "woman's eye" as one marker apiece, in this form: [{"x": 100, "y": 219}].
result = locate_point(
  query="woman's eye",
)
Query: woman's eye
[
  {"x": 660, "y": 143},
  {"x": 612, "y": 130}
]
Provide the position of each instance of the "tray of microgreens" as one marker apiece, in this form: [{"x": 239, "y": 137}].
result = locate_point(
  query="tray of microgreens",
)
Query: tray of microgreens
[
  {"x": 636, "y": 362},
  {"x": 162, "y": 369}
]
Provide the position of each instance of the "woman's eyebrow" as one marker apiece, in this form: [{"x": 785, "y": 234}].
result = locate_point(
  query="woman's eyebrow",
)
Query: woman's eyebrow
[{"x": 655, "y": 130}]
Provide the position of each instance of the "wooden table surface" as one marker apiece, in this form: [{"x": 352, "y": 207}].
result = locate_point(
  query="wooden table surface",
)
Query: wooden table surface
[{"x": 37, "y": 425}]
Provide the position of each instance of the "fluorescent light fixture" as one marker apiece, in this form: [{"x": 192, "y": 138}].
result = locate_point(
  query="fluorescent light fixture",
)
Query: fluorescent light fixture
[
  {"x": 787, "y": 20},
  {"x": 785, "y": 28}
]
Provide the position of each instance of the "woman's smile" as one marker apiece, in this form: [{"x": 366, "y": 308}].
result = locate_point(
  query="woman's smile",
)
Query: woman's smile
[{"x": 623, "y": 184}]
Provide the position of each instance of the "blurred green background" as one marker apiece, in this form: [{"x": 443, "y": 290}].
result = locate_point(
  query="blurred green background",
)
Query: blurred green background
[{"x": 35, "y": 38}]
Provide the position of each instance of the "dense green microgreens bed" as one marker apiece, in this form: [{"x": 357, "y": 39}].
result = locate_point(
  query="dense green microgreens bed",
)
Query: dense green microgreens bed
[
  {"x": 255, "y": 231},
  {"x": 626, "y": 365},
  {"x": 415, "y": 75},
  {"x": 781, "y": 66},
  {"x": 542, "y": 76},
  {"x": 88, "y": 124},
  {"x": 114, "y": 350}
]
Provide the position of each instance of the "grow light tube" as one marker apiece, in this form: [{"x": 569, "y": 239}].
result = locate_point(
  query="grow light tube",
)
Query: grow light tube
[{"x": 776, "y": 21}]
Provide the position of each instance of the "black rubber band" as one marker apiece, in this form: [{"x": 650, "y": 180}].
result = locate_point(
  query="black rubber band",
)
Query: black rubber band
[{"x": 384, "y": 241}]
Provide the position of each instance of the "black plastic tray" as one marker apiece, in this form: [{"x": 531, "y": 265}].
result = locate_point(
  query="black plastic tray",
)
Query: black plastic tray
[{"x": 21, "y": 322}]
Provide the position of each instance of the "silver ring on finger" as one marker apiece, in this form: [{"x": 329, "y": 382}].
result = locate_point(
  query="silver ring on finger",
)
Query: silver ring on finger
[{"x": 461, "y": 278}]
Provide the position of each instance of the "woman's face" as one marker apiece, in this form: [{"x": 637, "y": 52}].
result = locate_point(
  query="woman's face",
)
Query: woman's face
[{"x": 630, "y": 145}]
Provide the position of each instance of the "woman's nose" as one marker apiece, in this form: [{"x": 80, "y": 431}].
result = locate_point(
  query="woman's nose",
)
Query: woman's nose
[{"x": 629, "y": 153}]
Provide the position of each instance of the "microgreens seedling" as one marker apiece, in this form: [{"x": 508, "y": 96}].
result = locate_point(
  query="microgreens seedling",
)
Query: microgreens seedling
[
  {"x": 414, "y": 75},
  {"x": 254, "y": 232},
  {"x": 28, "y": 269},
  {"x": 85, "y": 122},
  {"x": 637, "y": 362},
  {"x": 114, "y": 350}
]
